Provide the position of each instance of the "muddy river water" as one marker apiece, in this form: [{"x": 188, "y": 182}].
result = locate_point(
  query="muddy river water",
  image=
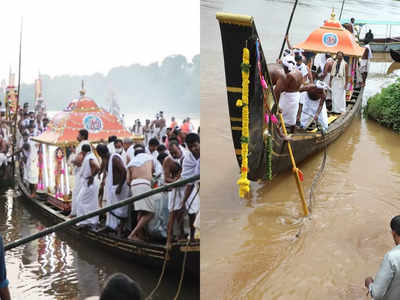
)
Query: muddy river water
[{"x": 251, "y": 248}]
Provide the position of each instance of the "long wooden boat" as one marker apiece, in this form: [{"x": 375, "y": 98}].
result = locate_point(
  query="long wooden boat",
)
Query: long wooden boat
[
  {"x": 395, "y": 55},
  {"x": 150, "y": 253},
  {"x": 384, "y": 44},
  {"x": 238, "y": 31}
]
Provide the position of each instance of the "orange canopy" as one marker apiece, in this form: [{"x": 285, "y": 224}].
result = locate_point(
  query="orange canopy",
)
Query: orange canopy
[
  {"x": 331, "y": 38},
  {"x": 82, "y": 114}
]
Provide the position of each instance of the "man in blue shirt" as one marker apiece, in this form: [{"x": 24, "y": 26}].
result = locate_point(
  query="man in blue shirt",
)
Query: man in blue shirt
[
  {"x": 4, "y": 292},
  {"x": 386, "y": 285}
]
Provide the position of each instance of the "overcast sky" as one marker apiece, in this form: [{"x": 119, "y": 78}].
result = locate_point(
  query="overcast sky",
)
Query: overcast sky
[{"x": 86, "y": 36}]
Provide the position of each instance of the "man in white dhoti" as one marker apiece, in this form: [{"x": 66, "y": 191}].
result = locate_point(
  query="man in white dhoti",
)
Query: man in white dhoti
[
  {"x": 140, "y": 170},
  {"x": 147, "y": 132},
  {"x": 115, "y": 188},
  {"x": 307, "y": 78},
  {"x": 364, "y": 63},
  {"x": 76, "y": 160},
  {"x": 314, "y": 107},
  {"x": 129, "y": 149},
  {"x": 338, "y": 84},
  {"x": 287, "y": 92},
  {"x": 88, "y": 194},
  {"x": 172, "y": 172},
  {"x": 31, "y": 170},
  {"x": 190, "y": 168}
]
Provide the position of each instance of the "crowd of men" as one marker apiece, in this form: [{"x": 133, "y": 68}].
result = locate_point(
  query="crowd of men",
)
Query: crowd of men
[
  {"x": 129, "y": 169},
  {"x": 304, "y": 90},
  {"x": 158, "y": 128}
]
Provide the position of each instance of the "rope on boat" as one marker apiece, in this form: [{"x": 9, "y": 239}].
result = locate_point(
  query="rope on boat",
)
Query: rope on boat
[
  {"x": 317, "y": 176},
  {"x": 97, "y": 212}
]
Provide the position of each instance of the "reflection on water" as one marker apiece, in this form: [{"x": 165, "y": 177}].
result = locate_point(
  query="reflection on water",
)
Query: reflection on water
[
  {"x": 58, "y": 266},
  {"x": 261, "y": 247}
]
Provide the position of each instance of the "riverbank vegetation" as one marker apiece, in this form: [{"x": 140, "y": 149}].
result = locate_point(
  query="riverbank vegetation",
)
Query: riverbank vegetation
[{"x": 384, "y": 107}]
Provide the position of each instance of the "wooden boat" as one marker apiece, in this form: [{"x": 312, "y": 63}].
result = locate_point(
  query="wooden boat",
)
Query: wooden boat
[
  {"x": 238, "y": 31},
  {"x": 395, "y": 55},
  {"x": 384, "y": 44},
  {"x": 150, "y": 253}
]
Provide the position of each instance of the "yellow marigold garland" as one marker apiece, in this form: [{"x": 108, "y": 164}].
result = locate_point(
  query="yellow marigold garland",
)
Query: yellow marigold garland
[{"x": 243, "y": 182}]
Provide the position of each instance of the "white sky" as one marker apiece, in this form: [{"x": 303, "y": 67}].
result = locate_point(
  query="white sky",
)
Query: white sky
[{"x": 81, "y": 37}]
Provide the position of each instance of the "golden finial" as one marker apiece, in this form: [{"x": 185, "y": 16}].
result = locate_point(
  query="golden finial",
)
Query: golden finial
[
  {"x": 333, "y": 15},
  {"x": 82, "y": 91}
]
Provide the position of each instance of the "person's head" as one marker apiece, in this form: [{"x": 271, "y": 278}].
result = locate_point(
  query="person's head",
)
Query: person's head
[
  {"x": 112, "y": 139},
  {"x": 161, "y": 114},
  {"x": 26, "y": 115},
  {"x": 174, "y": 149},
  {"x": 172, "y": 119},
  {"x": 188, "y": 119},
  {"x": 118, "y": 145},
  {"x": 370, "y": 31},
  {"x": 288, "y": 64},
  {"x": 102, "y": 150},
  {"x": 327, "y": 55},
  {"x": 139, "y": 148},
  {"x": 127, "y": 143},
  {"x": 298, "y": 59},
  {"x": 153, "y": 144},
  {"x": 339, "y": 55},
  {"x": 395, "y": 226},
  {"x": 85, "y": 149},
  {"x": 168, "y": 132},
  {"x": 31, "y": 115},
  {"x": 193, "y": 143},
  {"x": 121, "y": 287},
  {"x": 147, "y": 122},
  {"x": 352, "y": 20},
  {"x": 45, "y": 122},
  {"x": 83, "y": 135},
  {"x": 161, "y": 148},
  {"x": 161, "y": 157}
]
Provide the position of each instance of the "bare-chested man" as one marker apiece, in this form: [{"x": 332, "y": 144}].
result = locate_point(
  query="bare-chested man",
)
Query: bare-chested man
[
  {"x": 115, "y": 187},
  {"x": 140, "y": 172},
  {"x": 287, "y": 92},
  {"x": 326, "y": 74},
  {"x": 172, "y": 172},
  {"x": 314, "y": 107}
]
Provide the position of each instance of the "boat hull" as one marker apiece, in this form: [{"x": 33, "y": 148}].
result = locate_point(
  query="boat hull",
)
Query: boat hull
[
  {"x": 151, "y": 254},
  {"x": 395, "y": 55}
]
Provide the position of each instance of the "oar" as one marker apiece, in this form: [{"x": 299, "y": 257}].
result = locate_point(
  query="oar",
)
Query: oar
[
  {"x": 341, "y": 11},
  {"x": 287, "y": 29},
  {"x": 296, "y": 171}
]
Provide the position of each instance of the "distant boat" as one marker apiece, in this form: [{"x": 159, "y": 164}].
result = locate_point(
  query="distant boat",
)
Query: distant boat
[{"x": 395, "y": 55}]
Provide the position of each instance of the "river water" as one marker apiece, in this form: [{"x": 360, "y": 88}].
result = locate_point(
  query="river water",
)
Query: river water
[
  {"x": 261, "y": 247},
  {"x": 59, "y": 267}
]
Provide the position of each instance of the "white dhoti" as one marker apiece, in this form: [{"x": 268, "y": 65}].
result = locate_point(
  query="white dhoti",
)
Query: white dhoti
[
  {"x": 310, "y": 108},
  {"x": 193, "y": 202},
  {"x": 75, "y": 190},
  {"x": 140, "y": 186},
  {"x": 3, "y": 159},
  {"x": 289, "y": 104},
  {"x": 338, "y": 95},
  {"x": 114, "y": 216},
  {"x": 302, "y": 97},
  {"x": 31, "y": 171},
  {"x": 175, "y": 198},
  {"x": 88, "y": 195},
  {"x": 364, "y": 66},
  {"x": 326, "y": 81}
]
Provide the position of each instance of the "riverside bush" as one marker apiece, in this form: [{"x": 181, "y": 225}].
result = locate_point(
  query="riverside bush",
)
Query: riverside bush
[{"x": 384, "y": 107}]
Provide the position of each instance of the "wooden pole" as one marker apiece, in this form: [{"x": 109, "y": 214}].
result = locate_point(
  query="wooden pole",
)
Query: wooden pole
[
  {"x": 17, "y": 104},
  {"x": 340, "y": 16},
  {"x": 97, "y": 212},
  {"x": 295, "y": 170},
  {"x": 287, "y": 29}
]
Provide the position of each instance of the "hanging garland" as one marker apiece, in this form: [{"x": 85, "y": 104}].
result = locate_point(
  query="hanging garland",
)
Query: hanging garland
[
  {"x": 268, "y": 117},
  {"x": 243, "y": 182}
]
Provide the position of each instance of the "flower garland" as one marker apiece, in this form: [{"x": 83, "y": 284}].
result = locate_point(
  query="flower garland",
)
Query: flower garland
[{"x": 243, "y": 182}]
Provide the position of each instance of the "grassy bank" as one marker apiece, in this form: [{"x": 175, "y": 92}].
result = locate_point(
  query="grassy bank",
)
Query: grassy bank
[{"x": 384, "y": 107}]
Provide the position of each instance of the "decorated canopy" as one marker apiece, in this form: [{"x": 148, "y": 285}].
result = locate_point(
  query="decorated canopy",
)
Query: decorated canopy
[
  {"x": 331, "y": 38},
  {"x": 82, "y": 114}
]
